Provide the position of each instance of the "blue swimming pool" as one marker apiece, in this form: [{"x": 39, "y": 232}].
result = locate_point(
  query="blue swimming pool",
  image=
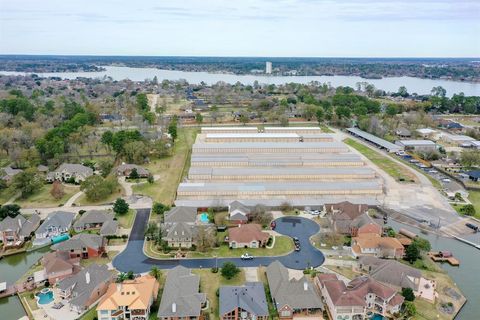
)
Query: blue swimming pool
[
  {"x": 204, "y": 217},
  {"x": 376, "y": 317},
  {"x": 45, "y": 296}
]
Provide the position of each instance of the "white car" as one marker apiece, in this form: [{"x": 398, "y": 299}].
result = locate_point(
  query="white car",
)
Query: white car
[
  {"x": 315, "y": 213},
  {"x": 246, "y": 256},
  {"x": 446, "y": 180}
]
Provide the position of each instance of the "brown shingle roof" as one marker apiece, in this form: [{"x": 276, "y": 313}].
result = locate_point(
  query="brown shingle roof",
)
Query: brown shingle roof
[{"x": 247, "y": 233}]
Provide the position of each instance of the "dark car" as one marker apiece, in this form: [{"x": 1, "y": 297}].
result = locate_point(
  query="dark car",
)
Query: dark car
[{"x": 297, "y": 247}]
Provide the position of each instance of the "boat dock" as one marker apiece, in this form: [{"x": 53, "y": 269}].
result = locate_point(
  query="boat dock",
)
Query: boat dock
[{"x": 444, "y": 257}]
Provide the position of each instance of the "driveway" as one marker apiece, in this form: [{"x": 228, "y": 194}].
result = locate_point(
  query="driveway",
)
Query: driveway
[{"x": 133, "y": 258}]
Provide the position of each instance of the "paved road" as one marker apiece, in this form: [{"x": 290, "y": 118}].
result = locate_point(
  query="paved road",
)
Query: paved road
[{"x": 133, "y": 258}]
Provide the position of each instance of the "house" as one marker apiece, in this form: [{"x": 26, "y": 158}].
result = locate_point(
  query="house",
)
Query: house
[
  {"x": 58, "y": 266},
  {"x": 247, "y": 302},
  {"x": 403, "y": 132},
  {"x": 351, "y": 219},
  {"x": 131, "y": 299},
  {"x": 93, "y": 219},
  {"x": 362, "y": 294},
  {"x": 109, "y": 228},
  {"x": 454, "y": 126},
  {"x": 180, "y": 235},
  {"x": 8, "y": 173},
  {"x": 84, "y": 289},
  {"x": 377, "y": 246},
  {"x": 180, "y": 298},
  {"x": 55, "y": 224},
  {"x": 426, "y": 132},
  {"x": 14, "y": 231},
  {"x": 417, "y": 145},
  {"x": 238, "y": 213},
  {"x": 68, "y": 171},
  {"x": 292, "y": 297},
  {"x": 126, "y": 169},
  {"x": 458, "y": 139},
  {"x": 83, "y": 245},
  {"x": 180, "y": 214},
  {"x": 390, "y": 272},
  {"x": 247, "y": 236}
]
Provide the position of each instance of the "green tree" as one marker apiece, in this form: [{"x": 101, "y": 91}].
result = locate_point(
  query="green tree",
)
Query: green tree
[
  {"x": 409, "y": 309},
  {"x": 159, "y": 208},
  {"x": 422, "y": 244},
  {"x": 134, "y": 174},
  {"x": 120, "y": 206},
  {"x": 172, "y": 129},
  {"x": 27, "y": 182},
  {"x": 198, "y": 118},
  {"x": 402, "y": 92},
  {"x": 156, "y": 273},
  {"x": 105, "y": 167},
  {"x": 107, "y": 138},
  {"x": 412, "y": 253},
  {"x": 408, "y": 294},
  {"x": 135, "y": 151},
  {"x": 142, "y": 102},
  {"x": 10, "y": 210},
  {"x": 392, "y": 109},
  {"x": 229, "y": 270},
  {"x": 97, "y": 188},
  {"x": 320, "y": 114},
  {"x": 468, "y": 210}
]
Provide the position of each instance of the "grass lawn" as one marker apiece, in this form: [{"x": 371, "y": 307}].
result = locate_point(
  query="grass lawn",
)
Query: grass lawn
[
  {"x": 126, "y": 220},
  {"x": 6, "y": 194},
  {"x": 43, "y": 198},
  {"x": 117, "y": 242},
  {"x": 90, "y": 314},
  {"x": 83, "y": 201},
  {"x": 326, "y": 129},
  {"x": 474, "y": 197},
  {"x": 210, "y": 282},
  {"x": 171, "y": 169},
  {"x": 26, "y": 300},
  {"x": 87, "y": 262},
  {"x": 395, "y": 170},
  {"x": 346, "y": 272}
]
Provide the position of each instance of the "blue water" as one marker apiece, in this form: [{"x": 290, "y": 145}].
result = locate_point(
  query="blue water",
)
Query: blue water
[
  {"x": 376, "y": 317},
  {"x": 204, "y": 217},
  {"x": 45, "y": 298}
]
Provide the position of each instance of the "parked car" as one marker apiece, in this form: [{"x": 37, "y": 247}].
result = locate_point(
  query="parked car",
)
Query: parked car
[
  {"x": 246, "y": 256},
  {"x": 446, "y": 180},
  {"x": 297, "y": 247}
]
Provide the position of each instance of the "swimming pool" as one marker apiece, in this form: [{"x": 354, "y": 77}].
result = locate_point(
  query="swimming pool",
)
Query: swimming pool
[
  {"x": 204, "y": 217},
  {"x": 45, "y": 296},
  {"x": 376, "y": 317}
]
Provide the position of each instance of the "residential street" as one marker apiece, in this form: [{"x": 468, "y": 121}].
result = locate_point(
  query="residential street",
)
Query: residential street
[{"x": 133, "y": 258}]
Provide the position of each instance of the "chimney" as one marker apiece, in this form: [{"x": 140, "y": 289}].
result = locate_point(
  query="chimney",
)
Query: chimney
[
  {"x": 87, "y": 277},
  {"x": 305, "y": 286},
  {"x": 174, "y": 307},
  {"x": 19, "y": 223}
]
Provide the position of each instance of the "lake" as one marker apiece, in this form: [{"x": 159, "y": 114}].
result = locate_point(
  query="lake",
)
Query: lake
[
  {"x": 390, "y": 84},
  {"x": 11, "y": 269}
]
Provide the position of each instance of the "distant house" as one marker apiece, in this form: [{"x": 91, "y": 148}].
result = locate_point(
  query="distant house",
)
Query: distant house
[
  {"x": 83, "y": 245},
  {"x": 292, "y": 297},
  {"x": 243, "y": 302},
  {"x": 131, "y": 299},
  {"x": 126, "y": 169},
  {"x": 403, "y": 133},
  {"x": 426, "y": 132},
  {"x": 377, "y": 246},
  {"x": 352, "y": 219},
  {"x": 68, "y": 171},
  {"x": 56, "y": 223},
  {"x": 8, "y": 173},
  {"x": 58, "y": 266},
  {"x": 362, "y": 294},
  {"x": 238, "y": 212},
  {"x": 15, "y": 230},
  {"x": 417, "y": 145},
  {"x": 247, "y": 236},
  {"x": 84, "y": 289},
  {"x": 390, "y": 272},
  {"x": 93, "y": 219},
  {"x": 454, "y": 126},
  {"x": 180, "y": 298}
]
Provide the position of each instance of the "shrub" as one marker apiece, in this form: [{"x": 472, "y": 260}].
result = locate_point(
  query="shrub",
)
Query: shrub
[
  {"x": 229, "y": 270},
  {"x": 408, "y": 294}
]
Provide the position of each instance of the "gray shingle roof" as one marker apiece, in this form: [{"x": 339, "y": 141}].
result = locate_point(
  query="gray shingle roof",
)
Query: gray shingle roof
[
  {"x": 79, "y": 241},
  {"x": 75, "y": 168},
  {"x": 60, "y": 219},
  {"x": 298, "y": 294},
  {"x": 181, "y": 214},
  {"x": 250, "y": 297},
  {"x": 180, "y": 230},
  {"x": 180, "y": 296},
  {"x": 85, "y": 282},
  {"x": 93, "y": 217},
  {"x": 109, "y": 228}
]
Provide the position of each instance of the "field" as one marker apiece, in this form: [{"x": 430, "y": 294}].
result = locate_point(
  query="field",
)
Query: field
[
  {"x": 170, "y": 169},
  {"x": 43, "y": 198},
  {"x": 396, "y": 171},
  {"x": 83, "y": 201},
  {"x": 210, "y": 282}
]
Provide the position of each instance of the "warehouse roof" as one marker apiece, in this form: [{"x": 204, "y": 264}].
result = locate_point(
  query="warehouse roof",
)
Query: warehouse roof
[
  {"x": 249, "y": 171},
  {"x": 251, "y": 135},
  {"x": 374, "y": 139},
  {"x": 220, "y": 129},
  {"x": 266, "y": 129},
  {"x": 263, "y": 145},
  {"x": 272, "y": 186},
  {"x": 275, "y": 156},
  {"x": 407, "y": 143}
]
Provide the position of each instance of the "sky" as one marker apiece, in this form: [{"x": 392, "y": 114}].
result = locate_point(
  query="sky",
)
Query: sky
[{"x": 263, "y": 28}]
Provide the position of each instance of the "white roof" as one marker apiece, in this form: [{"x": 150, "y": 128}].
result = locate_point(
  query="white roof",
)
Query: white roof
[
  {"x": 426, "y": 130},
  {"x": 3, "y": 286},
  {"x": 458, "y": 137},
  {"x": 39, "y": 276},
  {"x": 251, "y": 135},
  {"x": 291, "y": 128},
  {"x": 416, "y": 142}
]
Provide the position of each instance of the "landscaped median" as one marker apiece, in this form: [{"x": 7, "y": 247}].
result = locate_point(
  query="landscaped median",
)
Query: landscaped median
[
  {"x": 395, "y": 170},
  {"x": 283, "y": 245}
]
